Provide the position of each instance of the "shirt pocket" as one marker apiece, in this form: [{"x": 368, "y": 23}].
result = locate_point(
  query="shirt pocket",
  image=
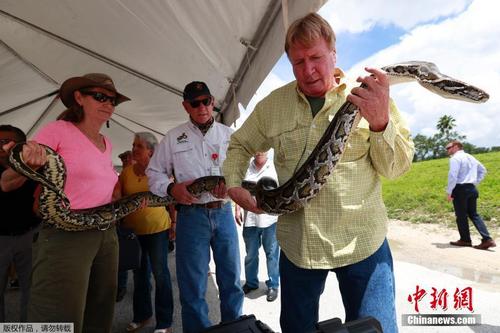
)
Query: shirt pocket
[
  {"x": 290, "y": 145},
  {"x": 183, "y": 157},
  {"x": 221, "y": 150}
]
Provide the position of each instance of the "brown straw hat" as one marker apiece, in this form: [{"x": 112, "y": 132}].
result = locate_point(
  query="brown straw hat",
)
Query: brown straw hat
[{"x": 88, "y": 81}]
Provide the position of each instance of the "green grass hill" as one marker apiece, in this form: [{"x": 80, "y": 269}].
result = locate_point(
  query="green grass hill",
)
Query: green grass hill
[{"x": 420, "y": 195}]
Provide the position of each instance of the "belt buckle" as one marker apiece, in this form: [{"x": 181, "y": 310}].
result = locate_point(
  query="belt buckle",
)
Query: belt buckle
[{"x": 213, "y": 204}]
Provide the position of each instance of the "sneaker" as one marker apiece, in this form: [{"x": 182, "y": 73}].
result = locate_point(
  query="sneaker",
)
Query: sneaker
[
  {"x": 246, "y": 288},
  {"x": 272, "y": 294},
  {"x": 164, "y": 330},
  {"x": 134, "y": 326}
]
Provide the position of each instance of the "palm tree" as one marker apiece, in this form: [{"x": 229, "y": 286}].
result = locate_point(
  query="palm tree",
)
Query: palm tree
[{"x": 445, "y": 125}]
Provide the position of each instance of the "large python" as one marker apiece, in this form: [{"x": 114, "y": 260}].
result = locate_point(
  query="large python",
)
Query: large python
[
  {"x": 293, "y": 195},
  {"x": 313, "y": 174},
  {"x": 54, "y": 206}
]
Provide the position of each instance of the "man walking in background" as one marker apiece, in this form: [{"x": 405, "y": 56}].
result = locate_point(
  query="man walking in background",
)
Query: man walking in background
[{"x": 465, "y": 173}]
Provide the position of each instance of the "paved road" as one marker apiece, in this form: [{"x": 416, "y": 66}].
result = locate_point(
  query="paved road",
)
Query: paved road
[{"x": 486, "y": 301}]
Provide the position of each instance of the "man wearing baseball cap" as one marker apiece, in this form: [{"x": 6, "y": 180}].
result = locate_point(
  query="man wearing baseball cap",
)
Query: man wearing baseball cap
[{"x": 192, "y": 150}]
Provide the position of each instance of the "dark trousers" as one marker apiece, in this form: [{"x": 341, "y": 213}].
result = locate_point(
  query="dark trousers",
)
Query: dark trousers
[
  {"x": 17, "y": 250},
  {"x": 465, "y": 205}
]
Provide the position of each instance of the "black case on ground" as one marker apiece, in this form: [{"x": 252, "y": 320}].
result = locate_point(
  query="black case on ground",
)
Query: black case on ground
[
  {"x": 249, "y": 324},
  {"x": 363, "y": 325},
  {"x": 244, "y": 324}
]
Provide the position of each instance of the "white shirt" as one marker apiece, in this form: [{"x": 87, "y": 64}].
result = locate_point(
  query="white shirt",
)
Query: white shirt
[
  {"x": 464, "y": 169},
  {"x": 260, "y": 220},
  {"x": 187, "y": 154}
]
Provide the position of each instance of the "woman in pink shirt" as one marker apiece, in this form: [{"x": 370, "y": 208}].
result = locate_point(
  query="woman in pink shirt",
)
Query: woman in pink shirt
[{"x": 74, "y": 272}]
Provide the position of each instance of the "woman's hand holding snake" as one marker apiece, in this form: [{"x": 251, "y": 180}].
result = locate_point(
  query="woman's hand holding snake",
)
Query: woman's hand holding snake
[{"x": 34, "y": 155}]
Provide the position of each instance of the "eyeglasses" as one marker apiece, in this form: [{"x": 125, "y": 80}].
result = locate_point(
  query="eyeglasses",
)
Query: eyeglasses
[
  {"x": 101, "y": 97},
  {"x": 205, "y": 101}
]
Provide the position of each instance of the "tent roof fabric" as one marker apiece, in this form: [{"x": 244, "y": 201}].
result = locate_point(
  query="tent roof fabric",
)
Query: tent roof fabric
[{"x": 151, "y": 49}]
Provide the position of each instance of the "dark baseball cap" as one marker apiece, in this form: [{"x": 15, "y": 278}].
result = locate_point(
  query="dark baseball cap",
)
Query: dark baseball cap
[{"x": 194, "y": 90}]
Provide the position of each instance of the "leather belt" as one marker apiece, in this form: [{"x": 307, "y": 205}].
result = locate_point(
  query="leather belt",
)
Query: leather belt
[{"x": 209, "y": 205}]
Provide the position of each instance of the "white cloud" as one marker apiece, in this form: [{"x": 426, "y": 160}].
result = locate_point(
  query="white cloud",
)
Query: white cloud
[
  {"x": 356, "y": 16},
  {"x": 465, "y": 47}
]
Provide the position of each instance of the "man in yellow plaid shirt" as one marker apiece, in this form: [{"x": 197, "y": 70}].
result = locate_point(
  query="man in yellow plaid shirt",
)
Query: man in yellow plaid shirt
[{"x": 344, "y": 228}]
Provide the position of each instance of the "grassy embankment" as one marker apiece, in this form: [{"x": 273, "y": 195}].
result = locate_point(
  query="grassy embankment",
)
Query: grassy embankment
[{"x": 419, "y": 196}]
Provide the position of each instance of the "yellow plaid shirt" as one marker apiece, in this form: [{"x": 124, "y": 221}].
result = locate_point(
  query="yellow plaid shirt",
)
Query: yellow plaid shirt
[{"x": 347, "y": 221}]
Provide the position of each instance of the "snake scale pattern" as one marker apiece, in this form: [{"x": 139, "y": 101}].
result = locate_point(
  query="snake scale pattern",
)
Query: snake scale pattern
[
  {"x": 54, "y": 207},
  {"x": 291, "y": 196}
]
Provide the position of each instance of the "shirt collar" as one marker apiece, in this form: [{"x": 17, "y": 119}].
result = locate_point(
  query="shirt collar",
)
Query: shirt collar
[
  {"x": 341, "y": 86},
  {"x": 203, "y": 127},
  {"x": 265, "y": 166}
]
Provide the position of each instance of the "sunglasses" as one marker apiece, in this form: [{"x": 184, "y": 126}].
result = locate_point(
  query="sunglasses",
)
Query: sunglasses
[
  {"x": 448, "y": 148},
  {"x": 100, "y": 97},
  {"x": 205, "y": 101}
]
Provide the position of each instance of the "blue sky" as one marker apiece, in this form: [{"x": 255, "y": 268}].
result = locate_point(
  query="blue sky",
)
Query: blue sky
[{"x": 460, "y": 36}]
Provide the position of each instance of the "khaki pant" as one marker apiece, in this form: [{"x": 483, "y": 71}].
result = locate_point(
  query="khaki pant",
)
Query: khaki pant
[{"x": 74, "y": 278}]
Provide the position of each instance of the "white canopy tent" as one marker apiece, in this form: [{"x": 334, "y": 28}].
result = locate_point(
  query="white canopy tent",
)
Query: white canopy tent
[{"x": 150, "y": 48}]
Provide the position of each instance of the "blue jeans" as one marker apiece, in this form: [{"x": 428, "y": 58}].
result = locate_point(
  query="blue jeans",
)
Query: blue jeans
[
  {"x": 367, "y": 289},
  {"x": 155, "y": 248},
  {"x": 198, "y": 230},
  {"x": 465, "y": 205},
  {"x": 254, "y": 237}
]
